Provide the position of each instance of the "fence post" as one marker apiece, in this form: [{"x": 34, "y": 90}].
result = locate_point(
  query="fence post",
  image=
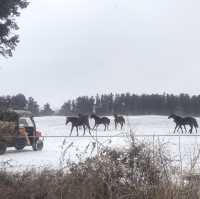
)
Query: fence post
[
  {"x": 97, "y": 144},
  {"x": 180, "y": 155},
  {"x": 153, "y": 149}
]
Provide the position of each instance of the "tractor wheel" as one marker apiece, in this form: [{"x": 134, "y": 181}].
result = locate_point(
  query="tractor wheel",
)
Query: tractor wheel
[{"x": 38, "y": 146}]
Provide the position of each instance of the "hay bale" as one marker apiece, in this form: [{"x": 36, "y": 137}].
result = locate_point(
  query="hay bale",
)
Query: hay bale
[
  {"x": 7, "y": 129},
  {"x": 8, "y": 116}
]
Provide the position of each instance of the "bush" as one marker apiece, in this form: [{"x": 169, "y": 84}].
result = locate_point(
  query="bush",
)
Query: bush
[{"x": 112, "y": 174}]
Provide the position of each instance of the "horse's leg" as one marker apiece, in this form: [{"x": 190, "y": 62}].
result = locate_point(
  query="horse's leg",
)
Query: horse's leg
[
  {"x": 95, "y": 124},
  {"x": 88, "y": 125},
  {"x": 83, "y": 130},
  {"x": 181, "y": 129},
  {"x": 95, "y": 127},
  {"x": 191, "y": 129},
  {"x": 121, "y": 125},
  {"x": 71, "y": 130},
  {"x": 77, "y": 130},
  {"x": 195, "y": 127},
  {"x": 175, "y": 128},
  {"x": 104, "y": 126},
  {"x": 88, "y": 128},
  {"x": 185, "y": 128}
]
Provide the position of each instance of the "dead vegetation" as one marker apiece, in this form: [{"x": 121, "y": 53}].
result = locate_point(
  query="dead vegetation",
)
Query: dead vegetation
[{"x": 134, "y": 173}]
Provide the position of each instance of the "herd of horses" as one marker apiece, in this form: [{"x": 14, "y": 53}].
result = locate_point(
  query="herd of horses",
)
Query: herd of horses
[{"x": 83, "y": 121}]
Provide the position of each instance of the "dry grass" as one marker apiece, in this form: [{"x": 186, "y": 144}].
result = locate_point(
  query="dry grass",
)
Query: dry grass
[{"x": 135, "y": 173}]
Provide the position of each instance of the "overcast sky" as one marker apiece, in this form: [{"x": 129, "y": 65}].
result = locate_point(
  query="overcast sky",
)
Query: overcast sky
[{"x": 83, "y": 47}]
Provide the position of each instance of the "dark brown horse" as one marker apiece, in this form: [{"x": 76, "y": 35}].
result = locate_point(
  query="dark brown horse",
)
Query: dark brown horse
[
  {"x": 77, "y": 122},
  {"x": 180, "y": 121},
  {"x": 119, "y": 120},
  {"x": 85, "y": 118},
  {"x": 100, "y": 120}
]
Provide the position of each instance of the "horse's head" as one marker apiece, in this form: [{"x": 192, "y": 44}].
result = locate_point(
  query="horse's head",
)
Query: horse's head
[
  {"x": 92, "y": 115},
  {"x": 67, "y": 120},
  {"x": 115, "y": 115},
  {"x": 172, "y": 116}
]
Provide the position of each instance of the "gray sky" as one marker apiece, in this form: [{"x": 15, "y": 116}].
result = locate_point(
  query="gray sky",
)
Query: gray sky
[{"x": 83, "y": 47}]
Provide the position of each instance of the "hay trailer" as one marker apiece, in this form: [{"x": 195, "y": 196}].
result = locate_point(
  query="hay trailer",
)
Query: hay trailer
[{"x": 9, "y": 131}]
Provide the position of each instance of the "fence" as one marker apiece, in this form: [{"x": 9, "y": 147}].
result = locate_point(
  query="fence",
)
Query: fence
[{"x": 184, "y": 149}]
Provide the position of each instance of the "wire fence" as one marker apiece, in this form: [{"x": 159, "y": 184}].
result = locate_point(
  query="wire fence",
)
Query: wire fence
[
  {"x": 119, "y": 136},
  {"x": 177, "y": 145}
]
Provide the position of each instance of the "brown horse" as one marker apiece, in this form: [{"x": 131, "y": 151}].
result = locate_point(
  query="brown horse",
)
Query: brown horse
[
  {"x": 180, "y": 121},
  {"x": 100, "y": 120},
  {"x": 77, "y": 122}
]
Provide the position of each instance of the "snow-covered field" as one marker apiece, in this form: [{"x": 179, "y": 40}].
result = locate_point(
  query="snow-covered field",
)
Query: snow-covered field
[{"x": 57, "y": 151}]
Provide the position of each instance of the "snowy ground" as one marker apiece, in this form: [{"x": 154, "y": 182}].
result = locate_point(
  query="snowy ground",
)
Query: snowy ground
[{"x": 55, "y": 154}]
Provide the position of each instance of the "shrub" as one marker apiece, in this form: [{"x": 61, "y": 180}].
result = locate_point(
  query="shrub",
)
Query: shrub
[{"x": 134, "y": 173}]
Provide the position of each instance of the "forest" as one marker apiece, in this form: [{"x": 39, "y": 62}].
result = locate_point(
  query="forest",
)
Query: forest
[
  {"x": 133, "y": 104},
  {"x": 108, "y": 104}
]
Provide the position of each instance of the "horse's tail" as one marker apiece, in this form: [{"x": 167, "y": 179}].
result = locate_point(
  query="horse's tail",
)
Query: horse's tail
[{"x": 196, "y": 123}]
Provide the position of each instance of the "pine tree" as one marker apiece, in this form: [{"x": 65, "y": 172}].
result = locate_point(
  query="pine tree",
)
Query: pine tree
[
  {"x": 46, "y": 110},
  {"x": 66, "y": 108},
  {"x": 33, "y": 106},
  {"x": 18, "y": 102}
]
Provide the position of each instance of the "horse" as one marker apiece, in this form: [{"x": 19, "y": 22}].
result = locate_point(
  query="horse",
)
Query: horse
[
  {"x": 100, "y": 120},
  {"x": 77, "y": 122},
  {"x": 120, "y": 120},
  {"x": 192, "y": 122},
  {"x": 85, "y": 118}
]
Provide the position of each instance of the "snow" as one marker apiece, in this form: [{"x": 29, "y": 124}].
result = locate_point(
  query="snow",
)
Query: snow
[{"x": 57, "y": 150}]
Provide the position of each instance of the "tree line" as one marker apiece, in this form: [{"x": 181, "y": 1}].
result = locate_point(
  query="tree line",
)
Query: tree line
[
  {"x": 108, "y": 104},
  {"x": 20, "y": 102},
  {"x": 132, "y": 104}
]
